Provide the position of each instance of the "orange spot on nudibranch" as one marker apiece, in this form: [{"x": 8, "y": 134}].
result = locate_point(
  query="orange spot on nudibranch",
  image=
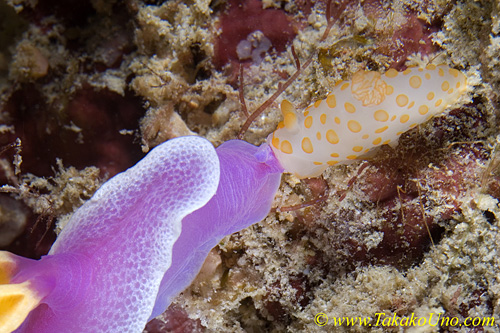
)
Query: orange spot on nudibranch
[
  {"x": 307, "y": 146},
  {"x": 308, "y": 122},
  {"x": 322, "y": 118},
  {"x": 354, "y": 126},
  {"x": 349, "y": 107},
  {"x": 391, "y": 73},
  {"x": 402, "y": 100},
  {"x": 415, "y": 82},
  {"x": 381, "y": 129},
  {"x": 331, "y": 101},
  {"x": 453, "y": 72},
  {"x": 275, "y": 142},
  {"x": 423, "y": 109},
  {"x": 381, "y": 115},
  {"x": 404, "y": 118},
  {"x": 317, "y": 103},
  {"x": 286, "y": 147},
  {"x": 377, "y": 141},
  {"x": 357, "y": 149},
  {"x": 332, "y": 137},
  {"x": 445, "y": 85}
]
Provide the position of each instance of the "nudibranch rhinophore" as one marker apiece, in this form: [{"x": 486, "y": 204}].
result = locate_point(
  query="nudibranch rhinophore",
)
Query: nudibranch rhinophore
[{"x": 370, "y": 110}]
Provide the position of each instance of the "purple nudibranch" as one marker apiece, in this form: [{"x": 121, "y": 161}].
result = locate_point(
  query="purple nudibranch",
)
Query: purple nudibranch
[{"x": 140, "y": 240}]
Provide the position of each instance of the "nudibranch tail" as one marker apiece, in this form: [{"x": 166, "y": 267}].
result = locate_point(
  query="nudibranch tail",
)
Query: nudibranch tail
[{"x": 370, "y": 110}]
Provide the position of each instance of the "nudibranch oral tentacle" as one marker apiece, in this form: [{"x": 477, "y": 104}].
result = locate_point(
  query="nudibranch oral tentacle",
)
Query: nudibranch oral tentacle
[{"x": 370, "y": 110}]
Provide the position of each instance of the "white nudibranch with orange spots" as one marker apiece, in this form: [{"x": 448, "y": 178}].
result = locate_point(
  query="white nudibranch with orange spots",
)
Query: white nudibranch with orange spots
[{"x": 370, "y": 110}]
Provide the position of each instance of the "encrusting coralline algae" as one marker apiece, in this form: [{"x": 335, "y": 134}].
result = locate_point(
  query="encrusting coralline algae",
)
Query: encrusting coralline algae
[{"x": 366, "y": 248}]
